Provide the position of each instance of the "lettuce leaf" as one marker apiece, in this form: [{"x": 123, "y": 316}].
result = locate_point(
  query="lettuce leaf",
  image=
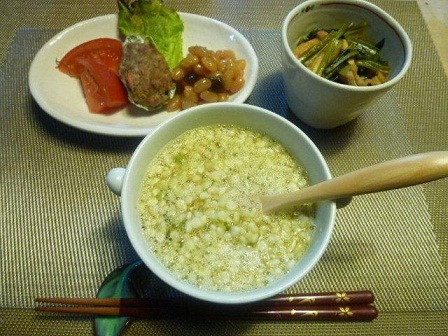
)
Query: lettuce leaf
[{"x": 151, "y": 20}]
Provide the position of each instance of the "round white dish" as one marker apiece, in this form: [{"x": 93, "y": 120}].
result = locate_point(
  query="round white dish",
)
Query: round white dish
[
  {"x": 322, "y": 103},
  {"x": 126, "y": 181},
  {"x": 61, "y": 96}
]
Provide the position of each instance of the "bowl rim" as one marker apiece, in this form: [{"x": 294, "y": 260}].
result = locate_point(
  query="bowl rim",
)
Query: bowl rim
[
  {"x": 379, "y": 12},
  {"x": 216, "y": 296}
]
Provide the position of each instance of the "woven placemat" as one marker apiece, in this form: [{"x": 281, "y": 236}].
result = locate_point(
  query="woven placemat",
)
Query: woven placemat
[{"x": 61, "y": 232}]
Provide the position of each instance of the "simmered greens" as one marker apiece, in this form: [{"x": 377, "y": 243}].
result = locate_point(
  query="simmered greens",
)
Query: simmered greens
[{"x": 344, "y": 55}]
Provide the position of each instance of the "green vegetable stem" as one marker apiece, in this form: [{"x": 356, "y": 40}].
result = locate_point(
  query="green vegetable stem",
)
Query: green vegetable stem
[{"x": 344, "y": 55}]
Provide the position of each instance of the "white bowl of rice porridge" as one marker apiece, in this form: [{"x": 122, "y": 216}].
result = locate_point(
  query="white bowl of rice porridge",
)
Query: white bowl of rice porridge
[{"x": 190, "y": 203}]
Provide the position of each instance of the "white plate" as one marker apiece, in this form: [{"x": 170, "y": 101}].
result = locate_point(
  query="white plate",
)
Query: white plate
[{"x": 61, "y": 96}]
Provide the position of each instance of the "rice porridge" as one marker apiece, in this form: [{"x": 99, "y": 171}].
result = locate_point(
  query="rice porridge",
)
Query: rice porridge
[{"x": 201, "y": 214}]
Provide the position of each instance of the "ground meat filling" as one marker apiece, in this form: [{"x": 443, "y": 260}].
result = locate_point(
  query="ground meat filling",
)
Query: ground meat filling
[{"x": 146, "y": 75}]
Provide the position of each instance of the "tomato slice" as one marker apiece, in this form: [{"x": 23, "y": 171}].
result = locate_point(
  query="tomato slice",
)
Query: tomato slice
[
  {"x": 107, "y": 51},
  {"x": 102, "y": 87}
]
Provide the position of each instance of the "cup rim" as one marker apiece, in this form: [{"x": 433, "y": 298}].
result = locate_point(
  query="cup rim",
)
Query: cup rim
[{"x": 389, "y": 20}]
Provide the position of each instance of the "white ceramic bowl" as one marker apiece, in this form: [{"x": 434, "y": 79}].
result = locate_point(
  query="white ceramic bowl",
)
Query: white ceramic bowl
[
  {"x": 325, "y": 104},
  {"x": 127, "y": 182},
  {"x": 61, "y": 96}
]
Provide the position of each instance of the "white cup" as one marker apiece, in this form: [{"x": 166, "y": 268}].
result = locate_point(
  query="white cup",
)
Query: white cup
[
  {"x": 322, "y": 103},
  {"x": 127, "y": 182}
]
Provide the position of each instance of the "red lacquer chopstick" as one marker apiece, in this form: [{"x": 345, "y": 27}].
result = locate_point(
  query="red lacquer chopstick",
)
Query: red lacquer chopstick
[
  {"x": 349, "y": 305},
  {"x": 311, "y": 299}
]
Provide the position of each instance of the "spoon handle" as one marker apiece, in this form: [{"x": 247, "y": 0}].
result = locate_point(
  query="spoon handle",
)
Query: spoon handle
[{"x": 394, "y": 174}]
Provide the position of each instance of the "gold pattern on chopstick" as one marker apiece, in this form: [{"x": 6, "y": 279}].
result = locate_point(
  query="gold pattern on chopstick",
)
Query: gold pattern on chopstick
[
  {"x": 312, "y": 314},
  {"x": 345, "y": 312},
  {"x": 309, "y": 299},
  {"x": 342, "y": 297}
]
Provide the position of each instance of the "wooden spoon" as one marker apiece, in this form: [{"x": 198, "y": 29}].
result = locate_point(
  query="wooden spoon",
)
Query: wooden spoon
[{"x": 394, "y": 174}]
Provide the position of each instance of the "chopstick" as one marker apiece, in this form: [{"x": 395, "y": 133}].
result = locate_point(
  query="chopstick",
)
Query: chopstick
[
  {"x": 310, "y": 299},
  {"x": 353, "y": 305},
  {"x": 355, "y": 312}
]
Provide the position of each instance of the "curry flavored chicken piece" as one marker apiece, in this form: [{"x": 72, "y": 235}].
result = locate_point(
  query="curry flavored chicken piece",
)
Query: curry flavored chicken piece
[{"x": 146, "y": 75}]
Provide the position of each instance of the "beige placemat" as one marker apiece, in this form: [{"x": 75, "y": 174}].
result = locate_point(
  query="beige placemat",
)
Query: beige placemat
[{"x": 60, "y": 228}]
